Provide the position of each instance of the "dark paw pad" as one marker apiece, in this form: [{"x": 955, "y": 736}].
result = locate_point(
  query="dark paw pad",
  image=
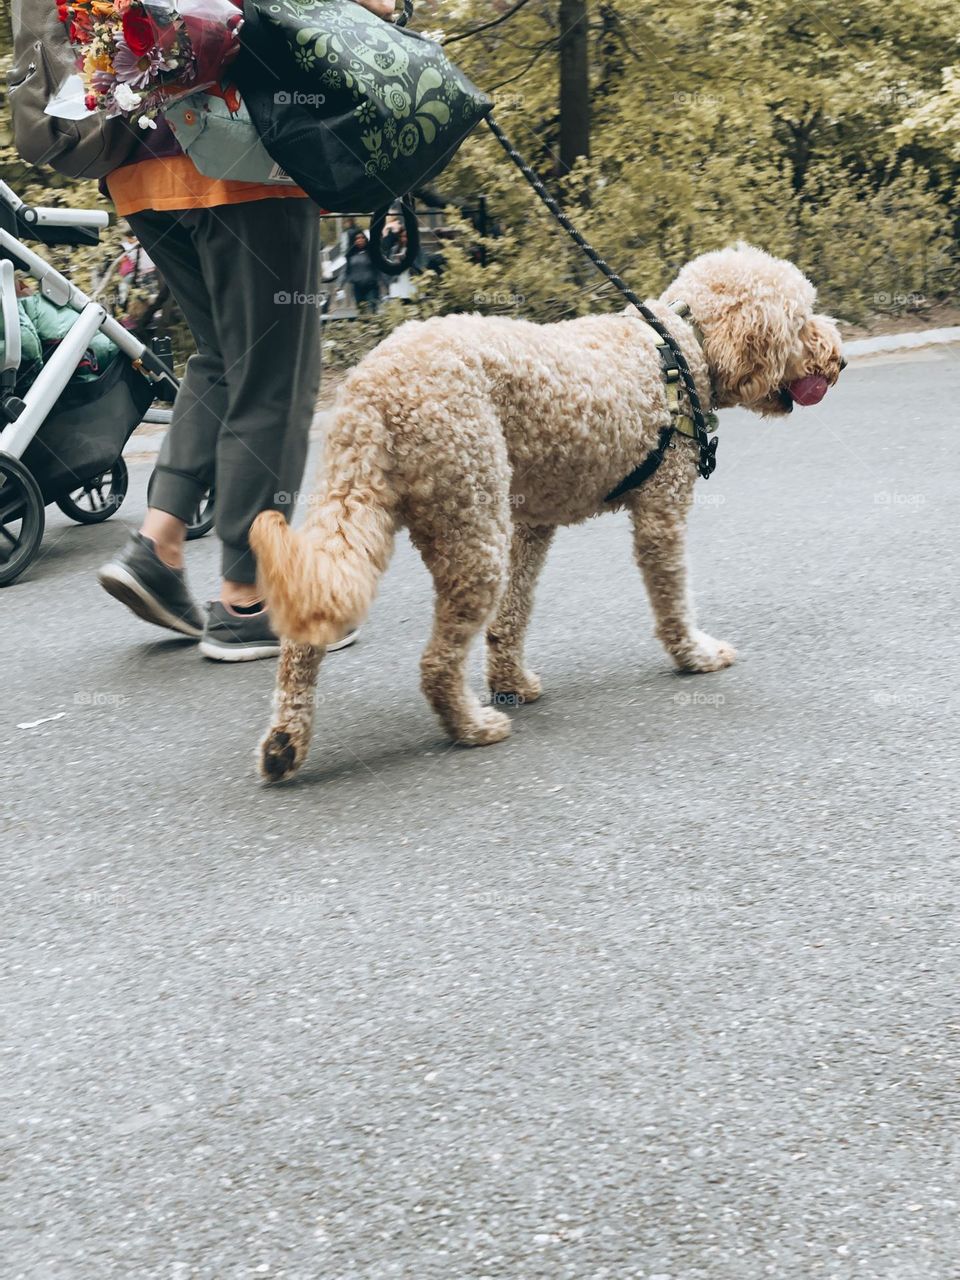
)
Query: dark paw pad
[{"x": 279, "y": 756}]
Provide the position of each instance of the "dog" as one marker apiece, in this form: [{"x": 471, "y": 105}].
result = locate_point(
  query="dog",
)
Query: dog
[{"x": 482, "y": 434}]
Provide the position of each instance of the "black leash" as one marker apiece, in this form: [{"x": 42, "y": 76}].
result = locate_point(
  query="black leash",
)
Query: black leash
[{"x": 708, "y": 448}]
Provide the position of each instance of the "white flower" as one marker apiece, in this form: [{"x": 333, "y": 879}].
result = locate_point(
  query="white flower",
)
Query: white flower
[
  {"x": 125, "y": 98},
  {"x": 146, "y": 123}
]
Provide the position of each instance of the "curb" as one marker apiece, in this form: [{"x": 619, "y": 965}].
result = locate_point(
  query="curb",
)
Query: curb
[
  {"x": 887, "y": 343},
  {"x": 144, "y": 444}
]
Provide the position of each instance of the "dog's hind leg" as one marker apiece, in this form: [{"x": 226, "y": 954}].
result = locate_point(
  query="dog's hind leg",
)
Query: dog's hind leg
[
  {"x": 283, "y": 749},
  {"x": 660, "y": 547},
  {"x": 468, "y": 565},
  {"x": 506, "y": 673}
]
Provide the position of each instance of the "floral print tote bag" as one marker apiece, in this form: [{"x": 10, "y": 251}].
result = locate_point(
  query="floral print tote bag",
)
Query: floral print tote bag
[{"x": 356, "y": 110}]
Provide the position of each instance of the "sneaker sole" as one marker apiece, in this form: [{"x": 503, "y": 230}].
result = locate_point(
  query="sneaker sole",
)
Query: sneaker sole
[
  {"x": 345, "y": 643},
  {"x": 123, "y": 586},
  {"x": 238, "y": 652}
]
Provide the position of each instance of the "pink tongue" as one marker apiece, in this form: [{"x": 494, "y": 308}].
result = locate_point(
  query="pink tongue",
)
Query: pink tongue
[{"x": 809, "y": 390}]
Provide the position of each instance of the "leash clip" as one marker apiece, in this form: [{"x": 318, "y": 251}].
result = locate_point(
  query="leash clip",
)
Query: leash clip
[{"x": 708, "y": 457}]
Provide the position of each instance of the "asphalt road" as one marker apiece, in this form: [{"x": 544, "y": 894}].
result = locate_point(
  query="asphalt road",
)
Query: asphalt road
[{"x": 664, "y": 986}]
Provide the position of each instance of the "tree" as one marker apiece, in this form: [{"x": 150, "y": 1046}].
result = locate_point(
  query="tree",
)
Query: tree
[{"x": 574, "y": 84}]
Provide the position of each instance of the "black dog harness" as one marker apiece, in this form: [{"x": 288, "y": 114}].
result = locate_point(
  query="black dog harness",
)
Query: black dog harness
[{"x": 680, "y": 423}]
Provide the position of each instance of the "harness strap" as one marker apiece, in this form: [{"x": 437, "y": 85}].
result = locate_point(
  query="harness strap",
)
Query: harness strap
[
  {"x": 650, "y": 464},
  {"x": 680, "y": 424}
]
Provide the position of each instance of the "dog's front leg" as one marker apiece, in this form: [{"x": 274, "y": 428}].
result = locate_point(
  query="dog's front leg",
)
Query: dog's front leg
[
  {"x": 285, "y": 746},
  {"x": 659, "y": 539}
]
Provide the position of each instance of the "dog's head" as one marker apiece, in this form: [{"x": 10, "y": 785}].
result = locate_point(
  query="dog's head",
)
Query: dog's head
[{"x": 765, "y": 347}]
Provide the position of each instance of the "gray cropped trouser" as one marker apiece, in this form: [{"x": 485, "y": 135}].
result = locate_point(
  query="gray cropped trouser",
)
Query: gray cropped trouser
[{"x": 247, "y": 279}]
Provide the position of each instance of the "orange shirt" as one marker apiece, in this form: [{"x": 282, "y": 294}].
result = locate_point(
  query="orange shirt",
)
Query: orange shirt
[{"x": 174, "y": 182}]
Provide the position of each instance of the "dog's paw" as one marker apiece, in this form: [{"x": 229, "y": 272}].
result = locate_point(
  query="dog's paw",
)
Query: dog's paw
[
  {"x": 279, "y": 757},
  {"x": 520, "y": 686},
  {"x": 486, "y": 727},
  {"x": 705, "y": 654}
]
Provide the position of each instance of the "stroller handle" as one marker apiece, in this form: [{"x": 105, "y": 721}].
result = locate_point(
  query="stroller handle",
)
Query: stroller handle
[
  {"x": 42, "y": 216},
  {"x": 10, "y": 316}
]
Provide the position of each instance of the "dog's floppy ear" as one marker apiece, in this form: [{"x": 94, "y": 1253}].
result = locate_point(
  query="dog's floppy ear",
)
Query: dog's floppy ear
[
  {"x": 750, "y": 307},
  {"x": 820, "y": 344},
  {"x": 750, "y": 345}
]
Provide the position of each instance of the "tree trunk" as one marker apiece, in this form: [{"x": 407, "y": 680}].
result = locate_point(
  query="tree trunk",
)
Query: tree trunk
[{"x": 574, "y": 84}]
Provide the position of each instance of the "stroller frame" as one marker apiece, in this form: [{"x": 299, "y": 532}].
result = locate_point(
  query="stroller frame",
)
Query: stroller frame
[
  {"x": 91, "y": 318},
  {"x": 21, "y": 418}
]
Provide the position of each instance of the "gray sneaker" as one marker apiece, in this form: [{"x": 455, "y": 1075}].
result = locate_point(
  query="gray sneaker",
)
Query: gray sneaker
[
  {"x": 237, "y": 637},
  {"x": 138, "y": 578},
  {"x": 244, "y": 637}
]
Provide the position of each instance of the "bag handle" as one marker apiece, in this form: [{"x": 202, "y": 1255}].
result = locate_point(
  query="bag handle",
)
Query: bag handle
[
  {"x": 406, "y": 206},
  {"x": 389, "y": 266}
]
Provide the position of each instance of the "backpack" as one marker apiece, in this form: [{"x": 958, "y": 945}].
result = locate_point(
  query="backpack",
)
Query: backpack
[{"x": 42, "y": 62}]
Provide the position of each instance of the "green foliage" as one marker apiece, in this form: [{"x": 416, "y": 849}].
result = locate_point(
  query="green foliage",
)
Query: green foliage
[
  {"x": 771, "y": 123},
  {"x": 829, "y": 132}
]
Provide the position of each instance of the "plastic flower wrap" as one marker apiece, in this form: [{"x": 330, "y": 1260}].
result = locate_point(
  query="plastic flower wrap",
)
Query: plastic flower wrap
[{"x": 137, "y": 56}]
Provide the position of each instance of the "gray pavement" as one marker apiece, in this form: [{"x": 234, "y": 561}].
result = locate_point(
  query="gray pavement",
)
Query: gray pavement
[{"x": 664, "y": 986}]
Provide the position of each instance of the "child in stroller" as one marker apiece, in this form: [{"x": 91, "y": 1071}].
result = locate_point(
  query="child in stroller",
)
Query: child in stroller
[{"x": 67, "y": 406}]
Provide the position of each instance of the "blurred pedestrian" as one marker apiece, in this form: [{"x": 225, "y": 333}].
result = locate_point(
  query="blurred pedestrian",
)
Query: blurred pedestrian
[{"x": 362, "y": 275}]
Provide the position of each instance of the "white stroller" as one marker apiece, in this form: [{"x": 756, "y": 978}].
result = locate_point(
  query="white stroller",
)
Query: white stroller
[{"x": 61, "y": 438}]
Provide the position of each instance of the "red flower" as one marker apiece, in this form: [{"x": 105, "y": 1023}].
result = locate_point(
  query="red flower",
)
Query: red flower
[
  {"x": 90, "y": 102},
  {"x": 139, "y": 32}
]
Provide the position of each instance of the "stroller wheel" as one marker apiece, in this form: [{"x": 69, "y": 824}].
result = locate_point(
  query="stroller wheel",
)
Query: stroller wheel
[
  {"x": 201, "y": 522},
  {"x": 21, "y": 518},
  {"x": 96, "y": 500}
]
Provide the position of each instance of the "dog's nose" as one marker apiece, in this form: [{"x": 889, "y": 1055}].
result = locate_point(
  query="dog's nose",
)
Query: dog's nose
[{"x": 843, "y": 364}]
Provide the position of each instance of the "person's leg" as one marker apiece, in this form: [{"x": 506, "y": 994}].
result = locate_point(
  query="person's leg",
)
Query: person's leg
[
  {"x": 185, "y": 467},
  {"x": 147, "y": 574},
  {"x": 260, "y": 261}
]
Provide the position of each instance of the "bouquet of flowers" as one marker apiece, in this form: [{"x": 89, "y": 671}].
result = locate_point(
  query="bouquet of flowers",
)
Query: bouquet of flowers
[{"x": 137, "y": 56}]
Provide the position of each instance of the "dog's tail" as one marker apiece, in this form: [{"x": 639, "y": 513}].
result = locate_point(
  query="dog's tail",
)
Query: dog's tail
[{"x": 319, "y": 583}]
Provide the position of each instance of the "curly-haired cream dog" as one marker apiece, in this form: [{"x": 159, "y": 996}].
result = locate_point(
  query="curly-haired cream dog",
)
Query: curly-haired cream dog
[{"x": 482, "y": 434}]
